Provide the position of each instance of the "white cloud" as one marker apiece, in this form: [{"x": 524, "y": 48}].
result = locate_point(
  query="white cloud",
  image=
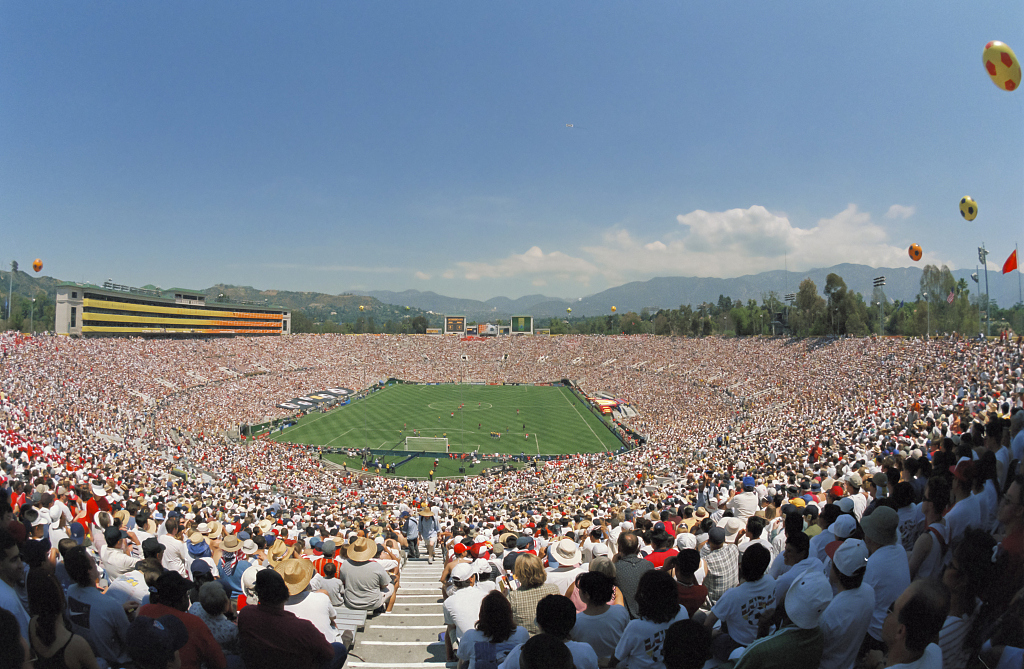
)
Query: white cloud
[
  {"x": 532, "y": 263},
  {"x": 747, "y": 241},
  {"x": 900, "y": 211},
  {"x": 713, "y": 244},
  {"x": 422, "y": 276},
  {"x": 449, "y": 274}
]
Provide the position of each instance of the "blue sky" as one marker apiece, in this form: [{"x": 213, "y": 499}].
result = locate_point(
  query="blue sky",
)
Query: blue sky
[{"x": 337, "y": 147}]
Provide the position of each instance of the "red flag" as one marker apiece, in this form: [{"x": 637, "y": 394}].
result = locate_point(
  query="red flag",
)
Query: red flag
[
  {"x": 1011, "y": 263},
  {"x": 950, "y": 297}
]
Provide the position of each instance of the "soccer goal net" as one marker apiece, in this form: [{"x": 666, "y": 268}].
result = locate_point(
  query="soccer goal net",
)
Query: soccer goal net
[{"x": 426, "y": 444}]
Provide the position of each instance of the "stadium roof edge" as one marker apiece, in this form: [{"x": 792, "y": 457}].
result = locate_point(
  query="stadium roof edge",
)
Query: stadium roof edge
[{"x": 168, "y": 293}]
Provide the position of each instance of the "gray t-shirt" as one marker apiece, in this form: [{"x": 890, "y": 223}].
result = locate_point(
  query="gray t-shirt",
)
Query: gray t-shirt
[{"x": 364, "y": 584}]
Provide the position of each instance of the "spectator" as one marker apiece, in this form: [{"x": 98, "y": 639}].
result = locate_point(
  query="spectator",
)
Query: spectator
[
  {"x": 556, "y": 616},
  {"x": 14, "y": 650},
  {"x": 233, "y": 562},
  {"x": 798, "y": 642},
  {"x": 302, "y": 601},
  {"x": 213, "y": 607},
  {"x": 116, "y": 562},
  {"x": 692, "y": 595},
  {"x": 97, "y": 617},
  {"x": 368, "y": 586},
  {"x": 569, "y": 558},
  {"x": 641, "y": 645},
  {"x": 687, "y": 645},
  {"x": 12, "y": 573},
  {"x": 888, "y": 571},
  {"x": 723, "y": 564},
  {"x": 629, "y": 568},
  {"x": 495, "y": 634},
  {"x": 52, "y": 642},
  {"x": 740, "y": 608},
  {"x": 600, "y": 564},
  {"x": 156, "y": 643},
  {"x": 462, "y": 609},
  {"x": 271, "y": 638},
  {"x": 845, "y": 622},
  {"x": 600, "y": 624},
  {"x": 911, "y": 627},
  {"x": 529, "y": 572},
  {"x": 171, "y": 598},
  {"x": 928, "y": 556},
  {"x": 968, "y": 576},
  {"x": 543, "y": 651}
]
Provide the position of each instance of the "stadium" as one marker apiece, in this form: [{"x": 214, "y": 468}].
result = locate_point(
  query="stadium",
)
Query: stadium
[{"x": 522, "y": 336}]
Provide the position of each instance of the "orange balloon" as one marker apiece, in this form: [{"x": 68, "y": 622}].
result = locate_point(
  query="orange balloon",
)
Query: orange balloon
[
  {"x": 37, "y": 265},
  {"x": 915, "y": 252}
]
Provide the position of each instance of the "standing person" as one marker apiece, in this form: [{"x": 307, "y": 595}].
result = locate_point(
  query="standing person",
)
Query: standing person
[
  {"x": 641, "y": 645},
  {"x": 176, "y": 557},
  {"x": 411, "y": 529},
  {"x": 428, "y": 527},
  {"x": 929, "y": 551},
  {"x": 845, "y": 622},
  {"x": 53, "y": 643},
  {"x": 629, "y": 568}
]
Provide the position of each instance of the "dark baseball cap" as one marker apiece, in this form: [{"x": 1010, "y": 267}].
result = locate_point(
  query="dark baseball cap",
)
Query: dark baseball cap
[
  {"x": 716, "y": 535},
  {"x": 152, "y": 642},
  {"x": 114, "y": 534},
  {"x": 151, "y": 546}
]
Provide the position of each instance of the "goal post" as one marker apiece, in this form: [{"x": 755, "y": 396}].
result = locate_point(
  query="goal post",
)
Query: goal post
[{"x": 427, "y": 443}]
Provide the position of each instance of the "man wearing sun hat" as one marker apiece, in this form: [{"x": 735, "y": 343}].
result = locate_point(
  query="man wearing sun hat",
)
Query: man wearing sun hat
[
  {"x": 845, "y": 622},
  {"x": 368, "y": 586},
  {"x": 303, "y": 602},
  {"x": 568, "y": 557}
]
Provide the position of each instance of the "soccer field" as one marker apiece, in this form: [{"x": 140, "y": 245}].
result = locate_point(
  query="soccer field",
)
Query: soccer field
[{"x": 532, "y": 420}]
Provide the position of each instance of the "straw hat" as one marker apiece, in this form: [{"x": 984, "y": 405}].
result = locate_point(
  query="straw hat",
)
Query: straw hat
[
  {"x": 215, "y": 529},
  {"x": 361, "y": 550},
  {"x": 278, "y": 552},
  {"x": 122, "y": 515},
  {"x": 296, "y": 572},
  {"x": 230, "y": 544},
  {"x": 425, "y": 510}
]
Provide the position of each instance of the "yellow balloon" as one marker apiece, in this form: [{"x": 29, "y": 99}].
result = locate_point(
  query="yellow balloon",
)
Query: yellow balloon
[
  {"x": 1002, "y": 66},
  {"x": 361, "y": 307},
  {"x": 568, "y": 310},
  {"x": 614, "y": 310},
  {"x": 968, "y": 208}
]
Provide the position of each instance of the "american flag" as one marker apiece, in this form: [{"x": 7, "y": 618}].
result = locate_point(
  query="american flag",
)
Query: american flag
[{"x": 949, "y": 298}]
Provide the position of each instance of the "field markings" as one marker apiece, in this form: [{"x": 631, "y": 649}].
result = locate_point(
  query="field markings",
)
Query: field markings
[
  {"x": 583, "y": 419},
  {"x": 339, "y": 436}
]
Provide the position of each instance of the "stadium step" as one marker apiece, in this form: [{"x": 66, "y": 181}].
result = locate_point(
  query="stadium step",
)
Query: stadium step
[{"x": 408, "y": 636}]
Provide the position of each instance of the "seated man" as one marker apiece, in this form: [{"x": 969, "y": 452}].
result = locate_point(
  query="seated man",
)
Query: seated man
[
  {"x": 367, "y": 584},
  {"x": 462, "y": 609},
  {"x": 271, "y": 638}
]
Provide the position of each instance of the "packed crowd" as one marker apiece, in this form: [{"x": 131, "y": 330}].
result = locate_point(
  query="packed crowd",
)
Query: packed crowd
[{"x": 832, "y": 503}]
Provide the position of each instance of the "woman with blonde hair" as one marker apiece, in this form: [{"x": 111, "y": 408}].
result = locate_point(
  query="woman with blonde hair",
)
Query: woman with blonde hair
[{"x": 533, "y": 587}]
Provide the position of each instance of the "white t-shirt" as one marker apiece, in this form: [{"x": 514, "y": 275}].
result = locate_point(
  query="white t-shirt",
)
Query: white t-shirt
[
  {"x": 931, "y": 659},
  {"x": 316, "y": 608},
  {"x": 744, "y": 505},
  {"x": 965, "y": 513},
  {"x": 482, "y": 654},
  {"x": 844, "y": 624},
  {"x": 563, "y": 578},
  {"x": 176, "y": 557},
  {"x": 741, "y": 607},
  {"x": 583, "y": 656},
  {"x": 602, "y": 632},
  {"x": 888, "y": 575},
  {"x": 642, "y": 644},
  {"x": 130, "y": 587},
  {"x": 462, "y": 609}
]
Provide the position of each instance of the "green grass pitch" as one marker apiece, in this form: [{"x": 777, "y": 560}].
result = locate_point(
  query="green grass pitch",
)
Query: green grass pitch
[{"x": 555, "y": 422}]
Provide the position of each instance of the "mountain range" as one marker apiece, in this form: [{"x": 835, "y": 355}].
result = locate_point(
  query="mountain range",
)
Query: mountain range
[{"x": 902, "y": 283}]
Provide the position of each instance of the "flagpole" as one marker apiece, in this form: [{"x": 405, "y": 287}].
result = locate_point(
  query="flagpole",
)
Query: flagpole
[{"x": 1020, "y": 295}]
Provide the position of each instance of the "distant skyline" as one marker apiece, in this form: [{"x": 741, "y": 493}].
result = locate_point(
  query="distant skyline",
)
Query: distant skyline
[{"x": 478, "y": 150}]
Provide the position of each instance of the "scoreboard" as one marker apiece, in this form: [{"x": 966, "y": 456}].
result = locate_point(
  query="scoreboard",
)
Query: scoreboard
[
  {"x": 455, "y": 324},
  {"x": 522, "y": 325}
]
